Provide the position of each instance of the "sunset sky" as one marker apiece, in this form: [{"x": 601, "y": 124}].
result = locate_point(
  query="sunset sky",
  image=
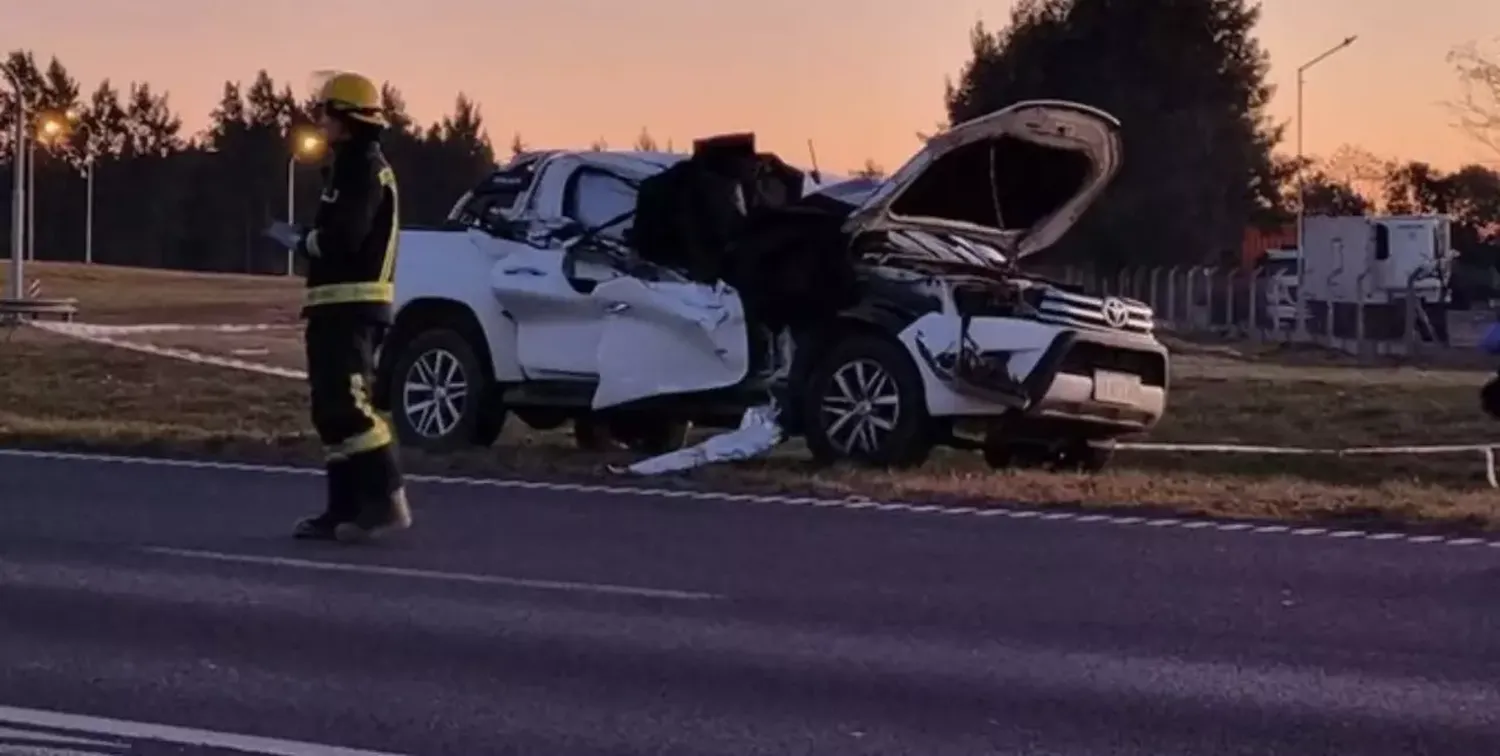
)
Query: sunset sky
[{"x": 858, "y": 77}]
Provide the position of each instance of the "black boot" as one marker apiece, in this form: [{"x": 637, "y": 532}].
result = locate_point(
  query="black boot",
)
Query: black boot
[
  {"x": 343, "y": 504},
  {"x": 382, "y": 497},
  {"x": 387, "y": 516}
]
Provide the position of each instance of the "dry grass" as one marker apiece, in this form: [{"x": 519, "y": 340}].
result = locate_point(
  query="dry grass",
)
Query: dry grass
[
  {"x": 111, "y": 294},
  {"x": 69, "y": 394},
  {"x": 281, "y": 347},
  {"x": 59, "y": 392}
]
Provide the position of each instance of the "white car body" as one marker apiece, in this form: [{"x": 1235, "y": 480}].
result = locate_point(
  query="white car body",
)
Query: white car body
[{"x": 545, "y": 318}]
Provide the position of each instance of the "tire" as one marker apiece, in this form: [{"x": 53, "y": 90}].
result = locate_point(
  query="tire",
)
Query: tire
[
  {"x": 841, "y": 418},
  {"x": 474, "y": 418}
]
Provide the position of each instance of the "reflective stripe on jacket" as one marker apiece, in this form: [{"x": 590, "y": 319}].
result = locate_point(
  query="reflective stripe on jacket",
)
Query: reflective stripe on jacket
[{"x": 351, "y": 248}]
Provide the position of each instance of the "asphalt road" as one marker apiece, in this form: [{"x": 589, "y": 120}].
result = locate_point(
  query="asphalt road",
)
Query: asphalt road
[{"x": 158, "y": 610}]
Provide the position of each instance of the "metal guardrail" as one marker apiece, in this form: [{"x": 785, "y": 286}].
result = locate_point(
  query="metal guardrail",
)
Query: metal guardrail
[{"x": 33, "y": 308}]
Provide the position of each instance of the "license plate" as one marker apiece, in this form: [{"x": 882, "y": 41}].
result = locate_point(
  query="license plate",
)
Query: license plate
[{"x": 1116, "y": 388}]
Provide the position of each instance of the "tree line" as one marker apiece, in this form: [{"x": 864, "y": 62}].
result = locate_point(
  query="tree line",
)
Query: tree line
[
  {"x": 1204, "y": 161},
  {"x": 167, "y": 198}
]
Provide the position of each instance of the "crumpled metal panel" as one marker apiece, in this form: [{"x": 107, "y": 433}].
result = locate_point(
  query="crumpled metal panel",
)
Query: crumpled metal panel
[{"x": 759, "y": 433}]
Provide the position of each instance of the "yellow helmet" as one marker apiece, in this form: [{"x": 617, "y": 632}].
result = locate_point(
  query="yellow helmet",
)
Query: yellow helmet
[{"x": 353, "y": 96}]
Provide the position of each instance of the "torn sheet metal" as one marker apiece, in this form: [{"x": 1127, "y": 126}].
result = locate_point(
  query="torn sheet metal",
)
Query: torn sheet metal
[
  {"x": 759, "y": 432},
  {"x": 760, "y": 428}
]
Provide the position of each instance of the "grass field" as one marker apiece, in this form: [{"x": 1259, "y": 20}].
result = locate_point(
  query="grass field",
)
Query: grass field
[
  {"x": 59, "y": 392},
  {"x": 111, "y": 294}
]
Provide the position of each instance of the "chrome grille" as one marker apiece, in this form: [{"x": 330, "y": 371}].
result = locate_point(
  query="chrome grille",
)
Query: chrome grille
[{"x": 1083, "y": 311}]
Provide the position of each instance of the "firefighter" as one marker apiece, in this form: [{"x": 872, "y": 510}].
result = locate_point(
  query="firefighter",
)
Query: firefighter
[{"x": 350, "y": 252}]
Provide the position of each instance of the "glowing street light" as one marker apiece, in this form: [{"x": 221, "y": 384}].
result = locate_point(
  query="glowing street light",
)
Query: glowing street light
[
  {"x": 53, "y": 127},
  {"x": 50, "y": 128},
  {"x": 306, "y": 145}
]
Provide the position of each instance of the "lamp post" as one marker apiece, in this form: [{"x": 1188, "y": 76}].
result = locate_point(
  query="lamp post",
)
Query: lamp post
[
  {"x": 72, "y": 117},
  {"x": 305, "y": 145},
  {"x": 88, "y": 213},
  {"x": 30, "y": 200},
  {"x": 18, "y": 195},
  {"x": 1302, "y": 188}
]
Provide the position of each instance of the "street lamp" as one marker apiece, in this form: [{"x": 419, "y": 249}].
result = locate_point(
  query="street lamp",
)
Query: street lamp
[
  {"x": 1302, "y": 189},
  {"x": 88, "y": 177},
  {"x": 306, "y": 145},
  {"x": 50, "y": 128}
]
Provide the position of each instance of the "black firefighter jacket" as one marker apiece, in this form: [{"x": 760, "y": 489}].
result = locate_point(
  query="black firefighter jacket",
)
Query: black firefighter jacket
[{"x": 351, "y": 247}]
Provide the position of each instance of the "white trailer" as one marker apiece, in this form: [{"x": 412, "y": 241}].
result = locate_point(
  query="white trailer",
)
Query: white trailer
[{"x": 1375, "y": 259}]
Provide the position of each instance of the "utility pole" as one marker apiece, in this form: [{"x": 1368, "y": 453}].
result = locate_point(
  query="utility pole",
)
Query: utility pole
[
  {"x": 18, "y": 197},
  {"x": 1302, "y": 193}
]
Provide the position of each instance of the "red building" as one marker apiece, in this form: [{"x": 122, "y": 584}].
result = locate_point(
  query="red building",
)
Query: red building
[{"x": 1258, "y": 240}]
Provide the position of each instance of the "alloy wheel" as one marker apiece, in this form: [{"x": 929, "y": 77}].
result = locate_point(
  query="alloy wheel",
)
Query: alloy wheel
[
  {"x": 434, "y": 393},
  {"x": 860, "y": 407}
]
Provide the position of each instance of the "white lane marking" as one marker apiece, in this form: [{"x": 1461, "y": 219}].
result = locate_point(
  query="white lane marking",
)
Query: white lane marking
[
  {"x": 452, "y": 577},
  {"x": 7, "y": 749},
  {"x": 120, "y": 728},
  {"x": 40, "y": 736},
  {"x": 1001, "y": 510}
]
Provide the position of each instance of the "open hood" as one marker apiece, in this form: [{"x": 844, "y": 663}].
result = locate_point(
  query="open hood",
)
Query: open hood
[{"x": 1017, "y": 178}]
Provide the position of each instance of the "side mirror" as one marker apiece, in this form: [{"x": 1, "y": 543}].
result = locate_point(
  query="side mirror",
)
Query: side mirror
[{"x": 1382, "y": 242}]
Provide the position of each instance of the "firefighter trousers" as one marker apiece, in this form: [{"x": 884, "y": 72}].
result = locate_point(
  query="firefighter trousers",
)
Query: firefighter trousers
[{"x": 363, "y": 471}]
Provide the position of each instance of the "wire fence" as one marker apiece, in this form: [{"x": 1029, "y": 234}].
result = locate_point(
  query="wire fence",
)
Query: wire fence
[{"x": 1262, "y": 305}]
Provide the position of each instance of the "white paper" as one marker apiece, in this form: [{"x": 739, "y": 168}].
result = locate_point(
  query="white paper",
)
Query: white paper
[{"x": 285, "y": 234}]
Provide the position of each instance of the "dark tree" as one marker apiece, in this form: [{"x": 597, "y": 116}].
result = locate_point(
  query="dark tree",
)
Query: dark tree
[
  {"x": 1187, "y": 80},
  {"x": 645, "y": 142},
  {"x": 1479, "y": 109},
  {"x": 1330, "y": 196}
]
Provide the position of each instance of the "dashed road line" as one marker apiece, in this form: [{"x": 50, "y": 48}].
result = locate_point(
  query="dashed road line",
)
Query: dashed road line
[
  {"x": 183, "y": 736},
  {"x": 451, "y": 577}
]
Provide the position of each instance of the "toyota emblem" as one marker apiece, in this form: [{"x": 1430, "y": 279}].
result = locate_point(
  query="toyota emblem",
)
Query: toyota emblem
[{"x": 1115, "y": 312}]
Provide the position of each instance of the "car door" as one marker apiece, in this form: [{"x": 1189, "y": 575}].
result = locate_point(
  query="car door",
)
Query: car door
[
  {"x": 580, "y": 315},
  {"x": 558, "y": 323},
  {"x": 662, "y": 333},
  {"x": 668, "y": 337}
]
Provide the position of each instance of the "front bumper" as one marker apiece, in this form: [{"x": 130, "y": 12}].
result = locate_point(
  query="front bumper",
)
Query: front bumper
[
  {"x": 990, "y": 366},
  {"x": 1107, "y": 378}
]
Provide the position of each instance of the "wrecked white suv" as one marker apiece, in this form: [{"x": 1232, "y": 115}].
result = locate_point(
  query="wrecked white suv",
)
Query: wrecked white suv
[{"x": 912, "y": 320}]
